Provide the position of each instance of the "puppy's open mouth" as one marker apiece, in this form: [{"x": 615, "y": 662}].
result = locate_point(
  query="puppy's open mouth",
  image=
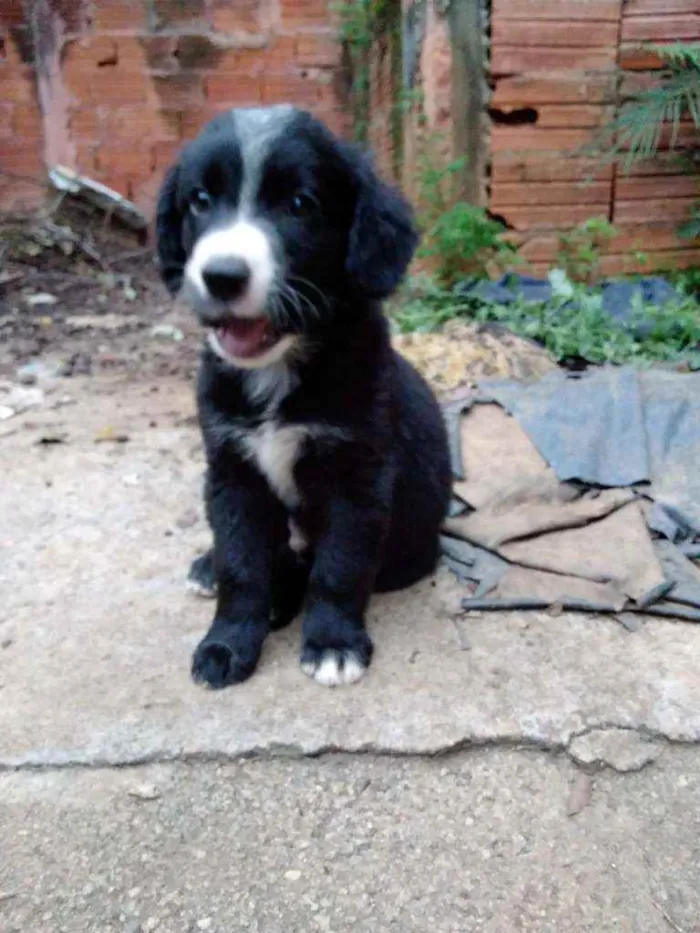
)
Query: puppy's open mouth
[{"x": 246, "y": 338}]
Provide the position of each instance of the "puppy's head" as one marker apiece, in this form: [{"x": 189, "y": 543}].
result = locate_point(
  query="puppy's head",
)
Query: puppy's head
[{"x": 267, "y": 224}]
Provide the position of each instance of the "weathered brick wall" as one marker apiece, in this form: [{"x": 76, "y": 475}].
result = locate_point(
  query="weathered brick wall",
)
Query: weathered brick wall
[
  {"x": 124, "y": 83},
  {"x": 21, "y": 138}
]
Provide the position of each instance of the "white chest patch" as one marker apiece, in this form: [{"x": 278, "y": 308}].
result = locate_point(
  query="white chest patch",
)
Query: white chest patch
[{"x": 275, "y": 449}]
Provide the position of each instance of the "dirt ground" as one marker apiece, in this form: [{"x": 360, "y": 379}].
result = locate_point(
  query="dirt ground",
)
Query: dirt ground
[{"x": 493, "y": 772}]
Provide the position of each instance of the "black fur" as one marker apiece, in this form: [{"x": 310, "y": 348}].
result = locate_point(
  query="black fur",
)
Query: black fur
[{"x": 374, "y": 482}]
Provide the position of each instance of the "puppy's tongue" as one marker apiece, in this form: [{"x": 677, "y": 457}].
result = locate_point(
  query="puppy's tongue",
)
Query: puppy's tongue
[{"x": 245, "y": 337}]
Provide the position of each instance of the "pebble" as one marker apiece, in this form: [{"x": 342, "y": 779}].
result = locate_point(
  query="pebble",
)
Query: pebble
[{"x": 204, "y": 923}]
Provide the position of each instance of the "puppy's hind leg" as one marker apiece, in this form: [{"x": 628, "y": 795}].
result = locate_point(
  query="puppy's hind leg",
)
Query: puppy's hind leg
[{"x": 200, "y": 578}]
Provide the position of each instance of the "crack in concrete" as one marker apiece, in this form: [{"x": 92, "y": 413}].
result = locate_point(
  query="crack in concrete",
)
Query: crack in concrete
[{"x": 277, "y": 751}]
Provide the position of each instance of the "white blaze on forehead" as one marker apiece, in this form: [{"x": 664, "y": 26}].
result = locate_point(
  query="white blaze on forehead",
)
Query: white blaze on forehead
[
  {"x": 241, "y": 240},
  {"x": 257, "y": 129}
]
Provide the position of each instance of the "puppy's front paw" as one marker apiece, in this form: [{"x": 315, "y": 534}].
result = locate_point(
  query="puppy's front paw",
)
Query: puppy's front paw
[
  {"x": 227, "y": 656},
  {"x": 335, "y": 666}
]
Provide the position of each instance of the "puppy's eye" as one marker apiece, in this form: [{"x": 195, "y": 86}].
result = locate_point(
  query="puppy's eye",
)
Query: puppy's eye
[
  {"x": 200, "y": 201},
  {"x": 302, "y": 204}
]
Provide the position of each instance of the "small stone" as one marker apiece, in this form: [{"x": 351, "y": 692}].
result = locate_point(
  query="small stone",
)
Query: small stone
[
  {"x": 150, "y": 924},
  {"x": 204, "y": 923},
  {"x": 293, "y": 874},
  {"x": 621, "y": 749},
  {"x": 144, "y": 792},
  {"x": 581, "y": 793}
]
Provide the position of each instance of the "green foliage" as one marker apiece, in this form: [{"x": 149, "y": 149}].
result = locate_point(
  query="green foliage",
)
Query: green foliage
[
  {"x": 579, "y": 248},
  {"x": 361, "y": 22},
  {"x": 461, "y": 238},
  {"x": 572, "y": 325},
  {"x": 635, "y": 133}
]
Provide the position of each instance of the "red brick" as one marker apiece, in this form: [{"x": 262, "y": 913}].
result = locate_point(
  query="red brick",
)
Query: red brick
[
  {"x": 658, "y": 28},
  {"x": 588, "y": 10},
  {"x": 250, "y": 62},
  {"x": 514, "y": 194},
  {"x": 192, "y": 121},
  {"x": 178, "y": 90},
  {"x": 233, "y": 89},
  {"x": 650, "y": 262},
  {"x": 548, "y": 35},
  {"x": 241, "y": 18},
  {"x": 16, "y": 84},
  {"x": 120, "y": 15},
  {"x": 84, "y": 124},
  {"x": 663, "y": 186},
  {"x": 508, "y": 60},
  {"x": 300, "y": 14},
  {"x": 526, "y": 167},
  {"x": 136, "y": 159},
  {"x": 547, "y": 216},
  {"x": 644, "y": 7},
  {"x": 20, "y": 159},
  {"x": 532, "y": 139},
  {"x": 280, "y": 54},
  {"x": 165, "y": 153},
  {"x": 531, "y": 90},
  {"x": 650, "y": 209},
  {"x": 26, "y": 122},
  {"x": 6, "y": 111},
  {"x": 140, "y": 122},
  {"x": 322, "y": 51},
  {"x": 289, "y": 87}
]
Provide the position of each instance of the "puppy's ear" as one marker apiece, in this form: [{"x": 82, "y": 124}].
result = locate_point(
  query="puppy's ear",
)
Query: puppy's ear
[
  {"x": 171, "y": 252},
  {"x": 383, "y": 236}
]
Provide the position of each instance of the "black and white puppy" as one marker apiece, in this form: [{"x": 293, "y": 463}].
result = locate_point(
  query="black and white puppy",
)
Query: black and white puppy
[{"x": 328, "y": 470}]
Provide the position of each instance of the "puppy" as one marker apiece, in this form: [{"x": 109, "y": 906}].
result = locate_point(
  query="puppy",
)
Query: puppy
[{"x": 328, "y": 471}]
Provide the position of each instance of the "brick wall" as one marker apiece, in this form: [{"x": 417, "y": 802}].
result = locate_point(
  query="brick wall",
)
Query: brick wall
[
  {"x": 554, "y": 65},
  {"x": 124, "y": 83},
  {"x": 21, "y": 139},
  {"x": 554, "y": 80}
]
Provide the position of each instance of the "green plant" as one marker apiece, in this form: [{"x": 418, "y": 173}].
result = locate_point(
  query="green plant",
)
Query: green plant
[
  {"x": 637, "y": 130},
  {"x": 580, "y": 248},
  {"x": 460, "y": 238},
  {"x": 573, "y": 324},
  {"x": 360, "y": 24}
]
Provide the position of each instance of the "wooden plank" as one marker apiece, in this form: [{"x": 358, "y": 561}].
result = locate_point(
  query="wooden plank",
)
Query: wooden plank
[
  {"x": 552, "y": 216},
  {"x": 667, "y": 260},
  {"x": 645, "y": 7},
  {"x": 545, "y": 166},
  {"x": 588, "y": 10},
  {"x": 545, "y": 34},
  {"x": 661, "y": 28},
  {"x": 664, "y": 186},
  {"x": 564, "y": 88},
  {"x": 510, "y": 60},
  {"x": 566, "y": 116},
  {"x": 533, "y": 139},
  {"x": 676, "y": 209},
  {"x": 515, "y": 194}
]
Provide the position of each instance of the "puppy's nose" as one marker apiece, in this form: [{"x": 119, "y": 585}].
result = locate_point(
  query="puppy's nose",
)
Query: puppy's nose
[{"x": 226, "y": 278}]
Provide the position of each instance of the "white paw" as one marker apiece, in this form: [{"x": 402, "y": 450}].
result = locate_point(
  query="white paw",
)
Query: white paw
[{"x": 335, "y": 668}]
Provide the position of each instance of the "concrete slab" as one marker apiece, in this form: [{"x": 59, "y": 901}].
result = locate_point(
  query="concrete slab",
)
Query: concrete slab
[
  {"x": 478, "y": 843},
  {"x": 96, "y": 628}
]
